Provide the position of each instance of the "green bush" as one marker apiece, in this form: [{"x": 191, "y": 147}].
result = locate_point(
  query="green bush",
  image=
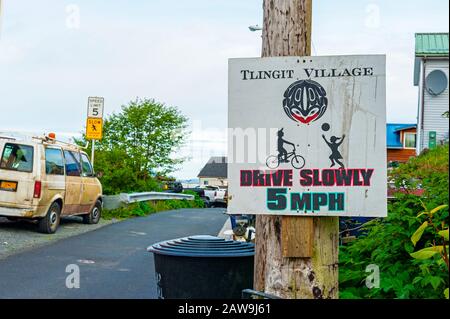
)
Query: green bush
[
  {"x": 146, "y": 208},
  {"x": 388, "y": 243},
  {"x": 197, "y": 202}
]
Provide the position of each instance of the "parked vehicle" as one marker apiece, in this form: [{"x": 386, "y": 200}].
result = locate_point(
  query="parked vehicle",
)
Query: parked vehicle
[
  {"x": 211, "y": 195},
  {"x": 221, "y": 197},
  {"x": 214, "y": 192},
  {"x": 43, "y": 179},
  {"x": 173, "y": 187}
]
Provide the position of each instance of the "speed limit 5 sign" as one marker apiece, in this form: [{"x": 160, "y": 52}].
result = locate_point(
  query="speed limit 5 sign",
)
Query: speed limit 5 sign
[{"x": 95, "y": 107}]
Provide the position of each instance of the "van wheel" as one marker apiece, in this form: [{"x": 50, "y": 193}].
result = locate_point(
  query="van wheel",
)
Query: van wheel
[
  {"x": 94, "y": 216},
  {"x": 49, "y": 224}
]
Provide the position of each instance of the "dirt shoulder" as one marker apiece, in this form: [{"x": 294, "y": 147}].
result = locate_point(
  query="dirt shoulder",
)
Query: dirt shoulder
[{"x": 19, "y": 236}]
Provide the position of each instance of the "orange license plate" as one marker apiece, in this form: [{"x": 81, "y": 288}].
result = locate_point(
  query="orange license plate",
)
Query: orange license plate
[{"x": 8, "y": 186}]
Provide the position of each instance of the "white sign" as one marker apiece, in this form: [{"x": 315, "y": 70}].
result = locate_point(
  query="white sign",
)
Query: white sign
[
  {"x": 307, "y": 136},
  {"x": 95, "y": 107}
]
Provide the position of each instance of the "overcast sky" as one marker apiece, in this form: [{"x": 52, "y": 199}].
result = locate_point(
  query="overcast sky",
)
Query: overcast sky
[{"x": 56, "y": 53}]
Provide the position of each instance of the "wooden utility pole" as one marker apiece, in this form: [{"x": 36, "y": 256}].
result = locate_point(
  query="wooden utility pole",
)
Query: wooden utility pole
[{"x": 296, "y": 257}]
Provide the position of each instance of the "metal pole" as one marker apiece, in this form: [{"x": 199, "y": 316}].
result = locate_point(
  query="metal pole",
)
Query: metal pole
[{"x": 92, "y": 154}]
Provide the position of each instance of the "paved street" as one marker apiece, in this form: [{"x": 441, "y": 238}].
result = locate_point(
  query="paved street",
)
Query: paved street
[
  {"x": 21, "y": 236},
  {"x": 113, "y": 260}
]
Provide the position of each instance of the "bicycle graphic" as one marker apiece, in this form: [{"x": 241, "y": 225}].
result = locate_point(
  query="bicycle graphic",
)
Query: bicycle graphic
[{"x": 297, "y": 161}]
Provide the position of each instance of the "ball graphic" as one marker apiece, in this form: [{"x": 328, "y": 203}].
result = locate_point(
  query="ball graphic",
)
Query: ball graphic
[{"x": 325, "y": 127}]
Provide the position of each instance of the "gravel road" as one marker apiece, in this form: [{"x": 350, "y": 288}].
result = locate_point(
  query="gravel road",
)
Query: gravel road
[{"x": 22, "y": 235}]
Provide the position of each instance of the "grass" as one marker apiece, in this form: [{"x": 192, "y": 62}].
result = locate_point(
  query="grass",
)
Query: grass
[{"x": 140, "y": 209}]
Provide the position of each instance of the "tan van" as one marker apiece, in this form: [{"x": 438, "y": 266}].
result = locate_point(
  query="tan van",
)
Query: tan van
[{"x": 43, "y": 179}]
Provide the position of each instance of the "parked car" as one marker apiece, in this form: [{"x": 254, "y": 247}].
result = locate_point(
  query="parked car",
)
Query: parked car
[
  {"x": 173, "y": 187},
  {"x": 214, "y": 192},
  {"x": 221, "y": 197},
  {"x": 43, "y": 179}
]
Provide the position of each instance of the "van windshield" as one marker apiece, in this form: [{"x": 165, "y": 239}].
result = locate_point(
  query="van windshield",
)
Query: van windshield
[{"x": 17, "y": 157}]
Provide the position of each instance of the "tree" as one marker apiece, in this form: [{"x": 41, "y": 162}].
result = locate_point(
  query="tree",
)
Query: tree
[{"x": 138, "y": 143}]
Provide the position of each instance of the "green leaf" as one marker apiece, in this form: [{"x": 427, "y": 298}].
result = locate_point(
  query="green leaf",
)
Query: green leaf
[
  {"x": 418, "y": 233},
  {"x": 436, "y": 209},
  {"x": 446, "y": 293},
  {"x": 444, "y": 233},
  {"x": 435, "y": 281},
  {"x": 422, "y": 213},
  {"x": 427, "y": 253},
  {"x": 423, "y": 205}
]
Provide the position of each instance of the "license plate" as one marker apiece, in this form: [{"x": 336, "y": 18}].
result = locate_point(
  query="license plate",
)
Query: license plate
[{"x": 8, "y": 186}]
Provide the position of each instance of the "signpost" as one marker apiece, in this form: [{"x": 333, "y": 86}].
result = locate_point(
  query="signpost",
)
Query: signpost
[
  {"x": 94, "y": 122},
  {"x": 297, "y": 247},
  {"x": 95, "y": 107},
  {"x": 94, "y": 128}
]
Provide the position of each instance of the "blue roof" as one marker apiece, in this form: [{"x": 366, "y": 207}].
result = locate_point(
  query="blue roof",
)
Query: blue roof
[{"x": 393, "y": 134}]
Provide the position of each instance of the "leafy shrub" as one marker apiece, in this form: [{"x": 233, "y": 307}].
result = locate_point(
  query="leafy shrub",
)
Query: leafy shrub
[
  {"x": 149, "y": 207},
  {"x": 388, "y": 243},
  {"x": 197, "y": 202}
]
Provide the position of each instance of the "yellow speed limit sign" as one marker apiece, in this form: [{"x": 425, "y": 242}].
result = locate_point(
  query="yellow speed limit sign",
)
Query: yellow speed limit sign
[{"x": 94, "y": 129}]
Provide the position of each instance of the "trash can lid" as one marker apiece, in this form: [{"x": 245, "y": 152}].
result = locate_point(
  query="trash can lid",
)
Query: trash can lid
[{"x": 203, "y": 246}]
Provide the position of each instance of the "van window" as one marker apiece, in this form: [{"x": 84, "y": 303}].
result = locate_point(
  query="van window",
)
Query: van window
[
  {"x": 17, "y": 157},
  {"x": 73, "y": 167},
  {"x": 54, "y": 163},
  {"x": 86, "y": 166}
]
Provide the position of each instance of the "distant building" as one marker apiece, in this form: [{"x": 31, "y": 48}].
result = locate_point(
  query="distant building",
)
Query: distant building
[
  {"x": 190, "y": 183},
  {"x": 431, "y": 76},
  {"x": 214, "y": 173},
  {"x": 400, "y": 142}
]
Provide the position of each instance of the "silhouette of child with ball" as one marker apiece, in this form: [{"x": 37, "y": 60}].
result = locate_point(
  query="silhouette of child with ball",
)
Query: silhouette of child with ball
[{"x": 334, "y": 144}]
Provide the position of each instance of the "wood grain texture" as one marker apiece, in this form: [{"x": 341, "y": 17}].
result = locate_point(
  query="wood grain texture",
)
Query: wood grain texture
[
  {"x": 287, "y": 32},
  {"x": 287, "y": 28},
  {"x": 297, "y": 236}
]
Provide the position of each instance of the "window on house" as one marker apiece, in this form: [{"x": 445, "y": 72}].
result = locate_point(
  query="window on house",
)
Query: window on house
[
  {"x": 205, "y": 182},
  {"x": 410, "y": 140}
]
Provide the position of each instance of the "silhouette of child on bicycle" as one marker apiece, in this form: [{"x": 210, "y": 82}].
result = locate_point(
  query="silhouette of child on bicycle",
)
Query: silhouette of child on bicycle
[{"x": 282, "y": 153}]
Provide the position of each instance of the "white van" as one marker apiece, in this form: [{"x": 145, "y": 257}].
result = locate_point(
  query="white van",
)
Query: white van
[{"x": 43, "y": 179}]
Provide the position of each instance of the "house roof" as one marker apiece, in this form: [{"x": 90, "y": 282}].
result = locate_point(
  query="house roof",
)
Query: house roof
[
  {"x": 215, "y": 167},
  {"x": 429, "y": 45},
  {"x": 432, "y": 44},
  {"x": 393, "y": 134}
]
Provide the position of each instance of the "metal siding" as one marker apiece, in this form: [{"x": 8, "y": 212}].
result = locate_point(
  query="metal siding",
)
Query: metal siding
[{"x": 435, "y": 106}]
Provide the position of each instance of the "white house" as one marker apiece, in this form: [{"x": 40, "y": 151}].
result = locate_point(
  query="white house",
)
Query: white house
[
  {"x": 214, "y": 173},
  {"x": 431, "y": 76}
]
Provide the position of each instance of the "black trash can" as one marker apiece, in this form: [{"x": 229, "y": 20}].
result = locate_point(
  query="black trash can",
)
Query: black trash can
[{"x": 203, "y": 267}]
